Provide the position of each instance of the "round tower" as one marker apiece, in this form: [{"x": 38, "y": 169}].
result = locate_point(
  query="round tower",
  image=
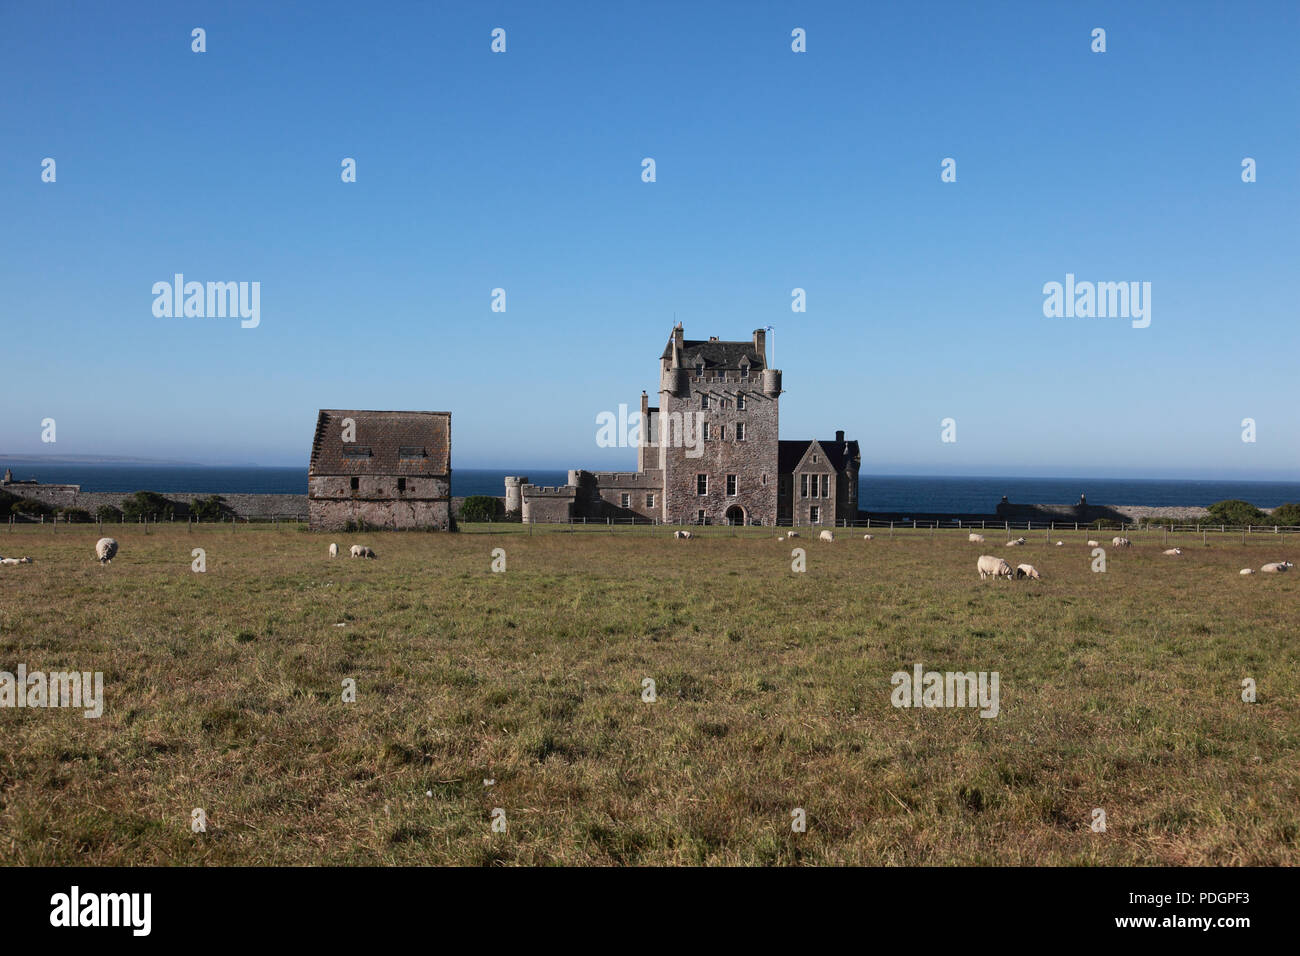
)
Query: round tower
[
  {"x": 771, "y": 382},
  {"x": 515, "y": 493}
]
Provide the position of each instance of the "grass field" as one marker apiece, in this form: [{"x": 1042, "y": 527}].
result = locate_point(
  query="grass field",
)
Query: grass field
[{"x": 1119, "y": 690}]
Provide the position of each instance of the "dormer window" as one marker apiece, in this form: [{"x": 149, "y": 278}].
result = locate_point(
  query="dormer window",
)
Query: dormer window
[
  {"x": 411, "y": 453},
  {"x": 699, "y": 369},
  {"x": 356, "y": 451},
  {"x": 744, "y": 369}
]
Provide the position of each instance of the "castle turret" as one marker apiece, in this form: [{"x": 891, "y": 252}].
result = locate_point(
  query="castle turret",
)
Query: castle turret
[
  {"x": 771, "y": 382},
  {"x": 514, "y": 492}
]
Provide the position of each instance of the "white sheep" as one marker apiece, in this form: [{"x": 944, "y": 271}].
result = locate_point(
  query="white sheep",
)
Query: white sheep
[
  {"x": 997, "y": 567},
  {"x": 681, "y": 534},
  {"x": 105, "y": 550},
  {"x": 826, "y": 536},
  {"x": 1060, "y": 544},
  {"x": 361, "y": 551},
  {"x": 1173, "y": 551},
  {"x": 1246, "y": 571},
  {"x": 1028, "y": 571},
  {"x": 15, "y": 560},
  {"x": 792, "y": 534},
  {"x": 1015, "y": 544},
  {"x": 334, "y": 549},
  {"x": 976, "y": 538},
  {"x": 867, "y": 537},
  {"x": 1094, "y": 544},
  {"x": 1119, "y": 542},
  {"x": 1276, "y": 566}
]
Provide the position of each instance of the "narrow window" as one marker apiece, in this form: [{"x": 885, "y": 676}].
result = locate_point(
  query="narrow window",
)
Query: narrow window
[
  {"x": 826, "y": 486},
  {"x": 704, "y": 401},
  {"x": 706, "y": 431},
  {"x": 803, "y": 486},
  {"x": 699, "y": 518},
  {"x": 649, "y": 501},
  {"x": 701, "y": 485},
  {"x": 740, "y": 399},
  {"x": 740, "y": 431},
  {"x": 814, "y": 514},
  {"x": 401, "y": 484},
  {"x": 722, "y": 433},
  {"x": 626, "y": 500},
  {"x": 731, "y": 486},
  {"x": 356, "y": 483}
]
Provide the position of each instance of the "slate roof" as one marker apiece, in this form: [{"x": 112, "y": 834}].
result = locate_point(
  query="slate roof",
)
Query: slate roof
[
  {"x": 724, "y": 355},
  {"x": 398, "y": 443},
  {"x": 838, "y": 453}
]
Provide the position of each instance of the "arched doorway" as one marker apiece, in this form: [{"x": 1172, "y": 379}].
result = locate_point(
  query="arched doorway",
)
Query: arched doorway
[{"x": 735, "y": 515}]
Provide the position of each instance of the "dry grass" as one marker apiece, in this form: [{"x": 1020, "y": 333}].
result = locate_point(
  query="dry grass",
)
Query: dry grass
[{"x": 1119, "y": 690}]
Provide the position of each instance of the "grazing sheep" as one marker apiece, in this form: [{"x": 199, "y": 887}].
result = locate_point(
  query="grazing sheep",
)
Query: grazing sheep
[
  {"x": 105, "y": 550},
  {"x": 1015, "y": 544},
  {"x": 1247, "y": 571},
  {"x": 1276, "y": 566},
  {"x": 976, "y": 538},
  {"x": 682, "y": 534},
  {"x": 361, "y": 551},
  {"x": 15, "y": 560},
  {"x": 1118, "y": 542},
  {"x": 1173, "y": 551},
  {"x": 1094, "y": 544},
  {"x": 826, "y": 536},
  {"x": 997, "y": 567},
  {"x": 867, "y": 537},
  {"x": 1060, "y": 544},
  {"x": 792, "y": 534},
  {"x": 334, "y": 550},
  {"x": 1028, "y": 571}
]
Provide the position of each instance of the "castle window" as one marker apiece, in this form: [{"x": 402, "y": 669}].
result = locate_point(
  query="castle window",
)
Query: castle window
[
  {"x": 401, "y": 484},
  {"x": 814, "y": 459},
  {"x": 704, "y": 401},
  {"x": 803, "y": 486},
  {"x": 356, "y": 451},
  {"x": 626, "y": 500},
  {"x": 701, "y": 485},
  {"x": 356, "y": 483},
  {"x": 722, "y": 433},
  {"x": 699, "y": 517},
  {"x": 740, "y": 431},
  {"x": 740, "y": 400},
  {"x": 706, "y": 431},
  {"x": 731, "y": 486},
  {"x": 650, "y": 501},
  {"x": 764, "y": 477},
  {"x": 744, "y": 370},
  {"x": 815, "y": 514},
  {"x": 826, "y": 486},
  {"x": 699, "y": 369}
]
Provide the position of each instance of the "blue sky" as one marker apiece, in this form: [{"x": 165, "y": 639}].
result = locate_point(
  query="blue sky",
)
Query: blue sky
[{"x": 775, "y": 170}]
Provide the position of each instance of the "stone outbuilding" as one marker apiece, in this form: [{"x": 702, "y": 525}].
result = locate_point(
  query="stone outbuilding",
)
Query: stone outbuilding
[{"x": 381, "y": 470}]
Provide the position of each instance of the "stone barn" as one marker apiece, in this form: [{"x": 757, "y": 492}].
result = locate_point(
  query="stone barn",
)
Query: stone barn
[{"x": 380, "y": 470}]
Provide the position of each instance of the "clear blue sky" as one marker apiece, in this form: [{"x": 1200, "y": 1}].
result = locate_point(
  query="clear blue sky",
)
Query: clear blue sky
[{"x": 775, "y": 170}]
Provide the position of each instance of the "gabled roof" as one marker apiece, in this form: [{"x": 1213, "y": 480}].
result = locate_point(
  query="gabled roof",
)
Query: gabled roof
[
  {"x": 387, "y": 443},
  {"x": 716, "y": 355},
  {"x": 839, "y": 454}
]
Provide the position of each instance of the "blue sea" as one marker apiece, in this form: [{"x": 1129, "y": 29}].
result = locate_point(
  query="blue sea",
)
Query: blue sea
[{"x": 892, "y": 493}]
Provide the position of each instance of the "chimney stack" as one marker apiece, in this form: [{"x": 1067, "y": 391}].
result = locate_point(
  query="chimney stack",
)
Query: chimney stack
[
  {"x": 760, "y": 344},
  {"x": 839, "y": 436}
]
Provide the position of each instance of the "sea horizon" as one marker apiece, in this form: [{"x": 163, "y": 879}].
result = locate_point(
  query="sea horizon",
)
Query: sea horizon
[{"x": 878, "y": 492}]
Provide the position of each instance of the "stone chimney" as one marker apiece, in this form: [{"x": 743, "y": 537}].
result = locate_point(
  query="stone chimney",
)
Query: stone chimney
[
  {"x": 839, "y": 436},
  {"x": 760, "y": 343}
]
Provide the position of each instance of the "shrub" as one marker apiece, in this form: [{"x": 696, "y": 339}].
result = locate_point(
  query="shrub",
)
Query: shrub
[
  {"x": 211, "y": 508},
  {"x": 76, "y": 515},
  {"x": 147, "y": 504},
  {"x": 108, "y": 513},
  {"x": 481, "y": 508},
  {"x": 1287, "y": 514},
  {"x": 1235, "y": 511},
  {"x": 30, "y": 506}
]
